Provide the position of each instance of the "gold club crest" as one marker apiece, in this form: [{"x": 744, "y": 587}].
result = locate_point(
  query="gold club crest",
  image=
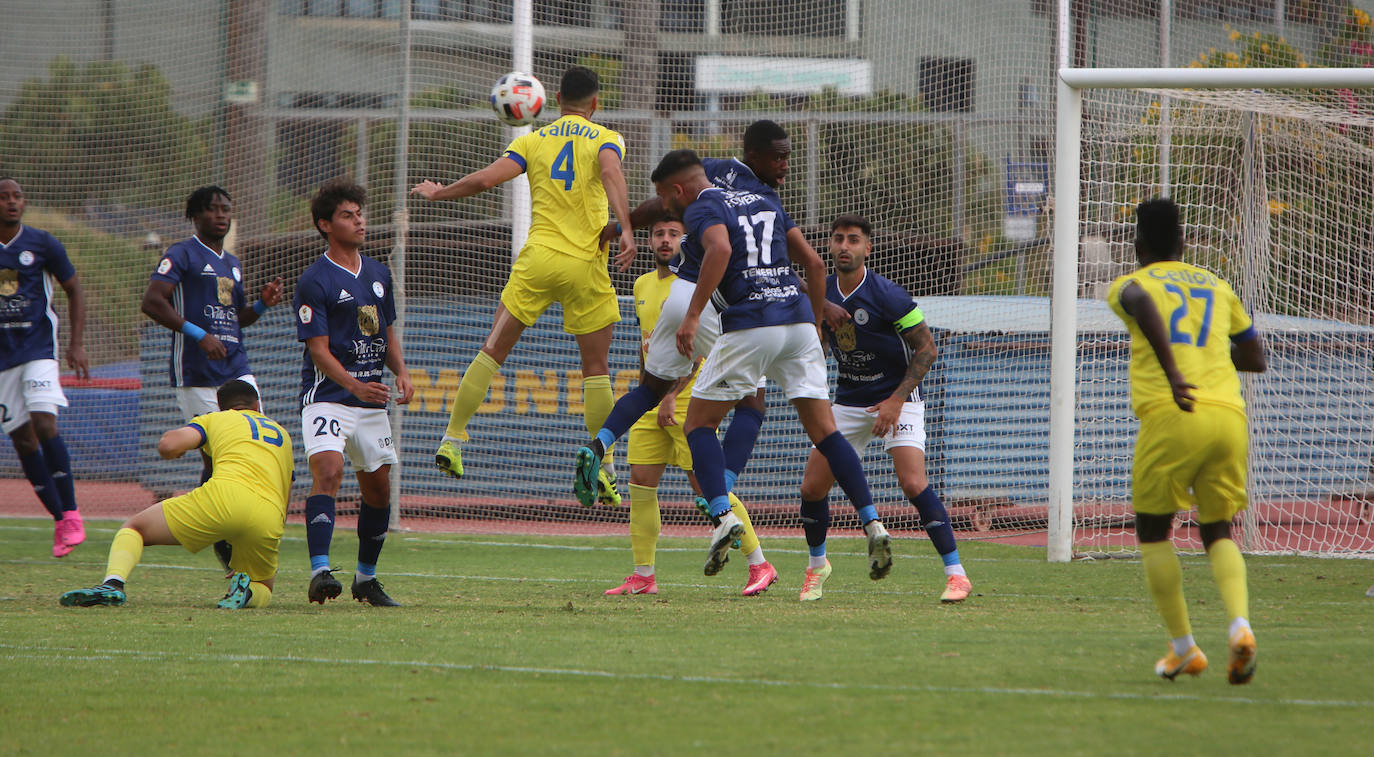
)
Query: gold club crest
[
  {"x": 845, "y": 337},
  {"x": 9, "y": 282},
  {"x": 367, "y": 320},
  {"x": 226, "y": 290}
]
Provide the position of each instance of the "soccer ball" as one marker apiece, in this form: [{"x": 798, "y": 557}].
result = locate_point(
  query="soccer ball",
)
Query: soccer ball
[{"x": 517, "y": 98}]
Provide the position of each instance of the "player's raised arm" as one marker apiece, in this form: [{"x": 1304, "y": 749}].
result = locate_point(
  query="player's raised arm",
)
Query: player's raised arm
[
  {"x": 76, "y": 320},
  {"x": 179, "y": 441},
  {"x": 500, "y": 171},
  {"x": 270, "y": 296},
  {"x": 1139, "y": 306},
  {"x": 613, "y": 179}
]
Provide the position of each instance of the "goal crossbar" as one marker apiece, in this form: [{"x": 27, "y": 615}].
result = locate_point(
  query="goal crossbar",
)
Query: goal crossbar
[{"x": 1063, "y": 319}]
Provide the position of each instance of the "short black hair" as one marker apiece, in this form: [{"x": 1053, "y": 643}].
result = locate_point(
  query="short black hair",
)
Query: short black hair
[
  {"x": 1158, "y": 232},
  {"x": 852, "y": 221},
  {"x": 236, "y": 395},
  {"x": 327, "y": 200},
  {"x": 673, "y": 162},
  {"x": 665, "y": 218},
  {"x": 762, "y": 134},
  {"x": 579, "y": 83},
  {"x": 200, "y": 199}
]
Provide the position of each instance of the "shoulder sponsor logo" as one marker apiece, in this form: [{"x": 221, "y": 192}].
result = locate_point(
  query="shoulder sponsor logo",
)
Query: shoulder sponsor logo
[
  {"x": 861, "y": 316},
  {"x": 164, "y": 266},
  {"x": 26, "y": 258},
  {"x": 238, "y": 275},
  {"x": 306, "y": 314},
  {"x": 344, "y": 296},
  {"x": 378, "y": 289}
]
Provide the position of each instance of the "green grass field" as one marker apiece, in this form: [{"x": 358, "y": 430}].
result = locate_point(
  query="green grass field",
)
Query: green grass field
[{"x": 506, "y": 646}]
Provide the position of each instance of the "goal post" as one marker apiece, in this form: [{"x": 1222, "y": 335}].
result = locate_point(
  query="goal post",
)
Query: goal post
[{"x": 1270, "y": 101}]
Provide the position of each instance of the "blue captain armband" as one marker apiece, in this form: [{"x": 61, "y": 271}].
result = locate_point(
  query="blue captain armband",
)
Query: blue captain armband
[{"x": 1244, "y": 336}]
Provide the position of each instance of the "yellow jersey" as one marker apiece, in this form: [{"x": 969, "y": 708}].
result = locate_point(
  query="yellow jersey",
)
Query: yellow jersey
[
  {"x": 568, "y": 202},
  {"x": 250, "y": 451},
  {"x": 1201, "y": 315},
  {"x": 650, "y": 292}
]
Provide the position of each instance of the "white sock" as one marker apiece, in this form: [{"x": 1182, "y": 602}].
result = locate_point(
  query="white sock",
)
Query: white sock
[
  {"x": 317, "y": 571},
  {"x": 755, "y": 557},
  {"x": 1238, "y": 624},
  {"x": 644, "y": 570},
  {"x": 815, "y": 563},
  {"x": 114, "y": 577},
  {"x": 362, "y": 578},
  {"x": 456, "y": 441},
  {"x": 955, "y": 570},
  {"x": 874, "y": 528},
  {"x": 1182, "y": 644}
]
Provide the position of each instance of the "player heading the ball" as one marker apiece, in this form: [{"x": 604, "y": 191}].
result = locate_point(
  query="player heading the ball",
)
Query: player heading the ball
[{"x": 574, "y": 170}]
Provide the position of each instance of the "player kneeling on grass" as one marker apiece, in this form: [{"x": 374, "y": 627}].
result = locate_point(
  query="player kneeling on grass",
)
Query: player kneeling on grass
[
  {"x": 243, "y": 503},
  {"x": 1193, "y": 438},
  {"x": 883, "y": 351}
]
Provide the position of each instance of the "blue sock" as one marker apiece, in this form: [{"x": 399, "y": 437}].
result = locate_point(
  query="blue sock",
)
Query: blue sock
[
  {"x": 36, "y": 471},
  {"x": 319, "y": 529},
  {"x": 815, "y": 518},
  {"x": 372, "y": 526},
  {"x": 60, "y": 465},
  {"x": 739, "y": 441},
  {"x": 935, "y": 519},
  {"x": 708, "y": 463},
  {"x": 849, "y": 473},
  {"x": 626, "y": 411}
]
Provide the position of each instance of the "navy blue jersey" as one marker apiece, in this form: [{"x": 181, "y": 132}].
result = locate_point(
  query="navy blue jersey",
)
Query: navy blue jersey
[
  {"x": 872, "y": 355},
  {"x": 759, "y": 287},
  {"x": 207, "y": 290},
  {"x": 29, "y": 267},
  {"x": 726, "y": 173},
  {"x": 354, "y": 312}
]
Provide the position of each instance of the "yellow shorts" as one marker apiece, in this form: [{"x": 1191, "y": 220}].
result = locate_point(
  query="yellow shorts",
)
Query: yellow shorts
[
  {"x": 1191, "y": 459},
  {"x": 541, "y": 277},
  {"x": 219, "y": 510},
  {"x": 651, "y": 444}
]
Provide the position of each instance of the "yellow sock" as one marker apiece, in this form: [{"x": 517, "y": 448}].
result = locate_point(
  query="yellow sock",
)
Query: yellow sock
[
  {"x": 1164, "y": 576},
  {"x": 472, "y": 390},
  {"x": 1228, "y": 568},
  {"x": 125, "y": 552},
  {"x": 261, "y": 595},
  {"x": 597, "y": 401},
  {"x": 750, "y": 540},
  {"x": 645, "y": 523}
]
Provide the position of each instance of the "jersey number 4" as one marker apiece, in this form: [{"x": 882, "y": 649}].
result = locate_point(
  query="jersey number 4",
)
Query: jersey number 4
[
  {"x": 563, "y": 167},
  {"x": 762, "y": 250},
  {"x": 1195, "y": 293}
]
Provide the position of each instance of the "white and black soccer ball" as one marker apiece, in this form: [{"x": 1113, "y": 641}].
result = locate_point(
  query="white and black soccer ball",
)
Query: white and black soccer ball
[{"x": 517, "y": 98}]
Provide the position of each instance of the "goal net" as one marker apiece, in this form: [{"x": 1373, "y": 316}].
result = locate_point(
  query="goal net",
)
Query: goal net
[{"x": 1275, "y": 198}]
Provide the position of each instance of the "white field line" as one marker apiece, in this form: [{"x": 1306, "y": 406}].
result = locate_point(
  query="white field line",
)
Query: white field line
[{"x": 58, "y": 653}]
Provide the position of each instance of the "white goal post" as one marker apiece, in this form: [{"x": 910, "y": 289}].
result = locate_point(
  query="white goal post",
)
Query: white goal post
[{"x": 1067, "y": 238}]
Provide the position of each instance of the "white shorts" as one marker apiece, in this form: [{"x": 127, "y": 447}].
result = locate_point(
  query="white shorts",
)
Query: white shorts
[
  {"x": 790, "y": 355},
  {"x": 31, "y": 387},
  {"x": 662, "y": 358},
  {"x": 199, "y": 400},
  {"x": 361, "y": 433},
  {"x": 856, "y": 424}
]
